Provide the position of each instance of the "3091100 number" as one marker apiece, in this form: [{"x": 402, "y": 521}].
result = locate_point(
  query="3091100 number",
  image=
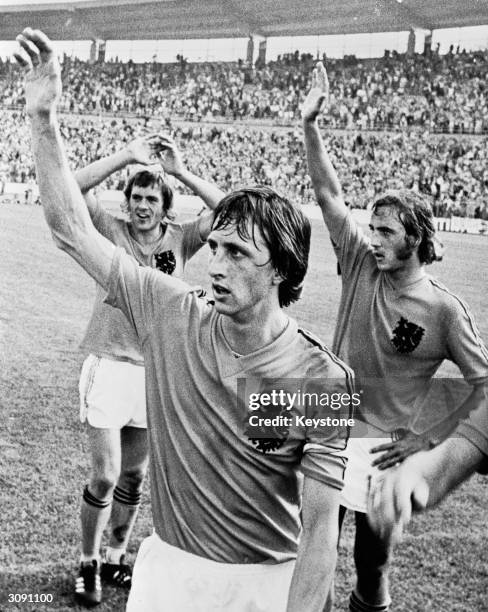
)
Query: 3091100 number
[{"x": 30, "y": 597}]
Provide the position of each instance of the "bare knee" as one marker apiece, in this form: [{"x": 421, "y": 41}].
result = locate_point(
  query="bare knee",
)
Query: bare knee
[
  {"x": 102, "y": 483},
  {"x": 132, "y": 479}
]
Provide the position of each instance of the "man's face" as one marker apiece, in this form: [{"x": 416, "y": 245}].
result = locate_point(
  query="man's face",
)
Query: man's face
[
  {"x": 243, "y": 278},
  {"x": 145, "y": 207},
  {"x": 389, "y": 240}
]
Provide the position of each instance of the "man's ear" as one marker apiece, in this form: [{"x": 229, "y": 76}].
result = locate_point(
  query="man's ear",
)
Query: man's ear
[
  {"x": 277, "y": 278},
  {"x": 413, "y": 242}
]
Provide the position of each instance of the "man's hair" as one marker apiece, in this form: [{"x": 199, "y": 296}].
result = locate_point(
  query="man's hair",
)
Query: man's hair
[
  {"x": 415, "y": 214},
  {"x": 285, "y": 229},
  {"x": 149, "y": 178}
]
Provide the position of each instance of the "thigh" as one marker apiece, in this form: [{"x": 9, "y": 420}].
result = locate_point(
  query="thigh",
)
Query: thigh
[
  {"x": 112, "y": 393},
  {"x": 135, "y": 452},
  {"x": 105, "y": 451}
]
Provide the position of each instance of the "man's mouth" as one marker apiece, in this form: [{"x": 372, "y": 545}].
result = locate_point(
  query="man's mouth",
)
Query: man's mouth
[
  {"x": 219, "y": 290},
  {"x": 143, "y": 215},
  {"x": 378, "y": 256}
]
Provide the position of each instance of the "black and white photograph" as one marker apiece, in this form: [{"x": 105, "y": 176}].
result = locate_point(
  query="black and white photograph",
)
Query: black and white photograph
[{"x": 243, "y": 306}]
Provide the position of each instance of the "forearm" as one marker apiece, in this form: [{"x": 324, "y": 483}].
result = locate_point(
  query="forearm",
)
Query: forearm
[
  {"x": 324, "y": 177},
  {"x": 443, "y": 428},
  {"x": 63, "y": 203},
  {"x": 314, "y": 572},
  {"x": 209, "y": 192},
  {"x": 447, "y": 466},
  {"x": 98, "y": 171}
]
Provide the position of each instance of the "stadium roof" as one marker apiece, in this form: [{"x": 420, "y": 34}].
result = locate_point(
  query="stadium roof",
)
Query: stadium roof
[{"x": 182, "y": 19}]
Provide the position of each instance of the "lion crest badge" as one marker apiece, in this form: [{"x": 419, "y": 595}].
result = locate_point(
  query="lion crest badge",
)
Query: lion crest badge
[{"x": 407, "y": 336}]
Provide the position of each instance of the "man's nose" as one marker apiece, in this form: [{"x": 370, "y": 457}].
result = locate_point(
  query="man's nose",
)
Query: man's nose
[
  {"x": 217, "y": 265},
  {"x": 374, "y": 239}
]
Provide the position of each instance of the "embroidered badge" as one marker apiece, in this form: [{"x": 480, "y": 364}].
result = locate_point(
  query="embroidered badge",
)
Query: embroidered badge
[
  {"x": 268, "y": 438},
  {"x": 165, "y": 261},
  {"x": 407, "y": 336}
]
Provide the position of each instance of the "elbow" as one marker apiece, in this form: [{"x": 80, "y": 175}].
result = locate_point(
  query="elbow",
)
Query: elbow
[
  {"x": 329, "y": 198},
  {"x": 60, "y": 241},
  {"x": 63, "y": 241}
]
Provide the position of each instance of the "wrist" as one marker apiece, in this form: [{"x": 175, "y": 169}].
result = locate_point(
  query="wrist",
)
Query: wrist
[
  {"x": 126, "y": 156},
  {"x": 311, "y": 121},
  {"x": 42, "y": 118},
  {"x": 180, "y": 174}
]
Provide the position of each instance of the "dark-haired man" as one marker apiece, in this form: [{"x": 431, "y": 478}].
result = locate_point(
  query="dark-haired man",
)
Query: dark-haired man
[
  {"x": 228, "y": 509},
  {"x": 395, "y": 327},
  {"x": 112, "y": 396}
]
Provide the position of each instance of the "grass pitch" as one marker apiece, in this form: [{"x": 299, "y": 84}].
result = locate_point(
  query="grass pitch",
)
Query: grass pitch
[{"x": 45, "y": 301}]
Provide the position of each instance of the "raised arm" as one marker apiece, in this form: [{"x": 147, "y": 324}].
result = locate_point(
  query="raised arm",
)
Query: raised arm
[
  {"x": 420, "y": 482},
  {"x": 324, "y": 177},
  {"x": 62, "y": 200},
  {"x": 208, "y": 192},
  {"x": 173, "y": 164},
  {"x": 139, "y": 151}
]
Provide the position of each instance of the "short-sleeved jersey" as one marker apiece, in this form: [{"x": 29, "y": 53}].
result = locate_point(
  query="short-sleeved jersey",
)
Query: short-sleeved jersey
[
  {"x": 395, "y": 338},
  {"x": 475, "y": 429},
  {"x": 216, "y": 492},
  {"x": 108, "y": 333}
]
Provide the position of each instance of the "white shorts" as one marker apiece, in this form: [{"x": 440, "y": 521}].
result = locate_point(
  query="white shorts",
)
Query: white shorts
[
  {"x": 168, "y": 579},
  {"x": 112, "y": 393},
  {"x": 359, "y": 471}
]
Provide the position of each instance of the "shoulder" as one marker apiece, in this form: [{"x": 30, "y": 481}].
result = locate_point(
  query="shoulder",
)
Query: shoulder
[
  {"x": 178, "y": 230},
  {"x": 116, "y": 229},
  {"x": 180, "y": 226},
  {"x": 449, "y": 303},
  {"x": 322, "y": 361}
]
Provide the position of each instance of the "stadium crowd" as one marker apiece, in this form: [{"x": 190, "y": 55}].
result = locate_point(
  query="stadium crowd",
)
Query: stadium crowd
[
  {"x": 450, "y": 169},
  {"x": 445, "y": 93}
]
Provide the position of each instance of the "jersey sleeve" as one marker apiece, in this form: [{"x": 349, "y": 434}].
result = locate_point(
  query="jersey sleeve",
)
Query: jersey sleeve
[
  {"x": 350, "y": 246},
  {"x": 475, "y": 429},
  {"x": 465, "y": 345},
  {"x": 191, "y": 240},
  {"x": 143, "y": 294},
  {"x": 330, "y": 408}
]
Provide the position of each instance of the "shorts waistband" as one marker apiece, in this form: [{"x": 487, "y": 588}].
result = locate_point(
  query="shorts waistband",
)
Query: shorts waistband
[{"x": 178, "y": 555}]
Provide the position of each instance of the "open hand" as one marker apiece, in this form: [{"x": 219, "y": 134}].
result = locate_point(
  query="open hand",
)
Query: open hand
[
  {"x": 397, "y": 451},
  {"x": 42, "y": 72},
  {"x": 170, "y": 157},
  {"x": 145, "y": 150},
  {"x": 318, "y": 95}
]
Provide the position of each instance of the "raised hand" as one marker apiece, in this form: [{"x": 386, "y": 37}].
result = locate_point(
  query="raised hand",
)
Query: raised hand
[
  {"x": 170, "y": 157},
  {"x": 318, "y": 95},
  {"x": 42, "y": 72},
  {"x": 144, "y": 150}
]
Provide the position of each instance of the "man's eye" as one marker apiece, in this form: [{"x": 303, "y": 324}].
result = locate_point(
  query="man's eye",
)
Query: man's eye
[{"x": 235, "y": 252}]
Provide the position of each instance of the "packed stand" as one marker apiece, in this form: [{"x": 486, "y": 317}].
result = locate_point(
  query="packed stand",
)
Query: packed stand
[
  {"x": 445, "y": 93},
  {"x": 451, "y": 170}
]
